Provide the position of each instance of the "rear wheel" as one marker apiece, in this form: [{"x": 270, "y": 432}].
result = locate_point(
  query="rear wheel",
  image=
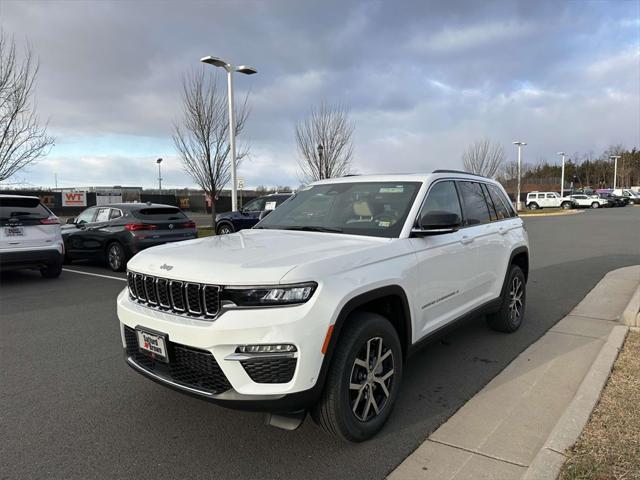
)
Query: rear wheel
[
  {"x": 595, "y": 205},
  {"x": 565, "y": 205},
  {"x": 363, "y": 380},
  {"x": 224, "y": 229},
  {"x": 116, "y": 257},
  {"x": 511, "y": 313},
  {"x": 533, "y": 206},
  {"x": 53, "y": 270}
]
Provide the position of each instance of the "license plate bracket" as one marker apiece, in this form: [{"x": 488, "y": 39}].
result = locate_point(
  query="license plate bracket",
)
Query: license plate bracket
[{"x": 154, "y": 344}]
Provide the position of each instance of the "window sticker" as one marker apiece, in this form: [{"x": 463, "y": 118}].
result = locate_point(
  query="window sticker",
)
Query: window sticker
[
  {"x": 270, "y": 206},
  {"x": 384, "y": 224},
  {"x": 396, "y": 189}
]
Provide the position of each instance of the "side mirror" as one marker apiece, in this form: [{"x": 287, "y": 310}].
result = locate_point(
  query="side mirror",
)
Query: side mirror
[
  {"x": 437, "y": 223},
  {"x": 71, "y": 220},
  {"x": 264, "y": 213}
]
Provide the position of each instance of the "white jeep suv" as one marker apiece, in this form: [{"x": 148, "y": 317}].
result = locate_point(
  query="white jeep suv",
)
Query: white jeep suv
[{"x": 318, "y": 306}]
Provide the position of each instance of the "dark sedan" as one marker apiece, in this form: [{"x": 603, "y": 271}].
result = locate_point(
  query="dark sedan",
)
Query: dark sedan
[
  {"x": 614, "y": 200},
  {"x": 249, "y": 214},
  {"x": 117, "y": 232}
]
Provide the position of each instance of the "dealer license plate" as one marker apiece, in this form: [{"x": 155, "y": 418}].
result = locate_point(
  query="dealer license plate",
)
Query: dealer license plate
[
  {"x": 14, "y": 231},
  {"x": 153, "y": 344}
]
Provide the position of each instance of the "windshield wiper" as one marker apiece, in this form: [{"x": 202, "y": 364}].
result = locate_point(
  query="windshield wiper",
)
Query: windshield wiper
[{"x": 312, "y": 228}]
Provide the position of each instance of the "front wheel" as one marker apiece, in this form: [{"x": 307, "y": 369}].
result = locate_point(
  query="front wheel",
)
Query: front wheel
[
  {"x": 595, "y": 205},
  {"x": 511, "y": 313},
  {"x": 224, "y": 229},
  {"x": 533, "y": 206},
  {"x": 565, "y": 206},
  {"x": 116, "y": 257},
  {"x": 363, "y": 380}
]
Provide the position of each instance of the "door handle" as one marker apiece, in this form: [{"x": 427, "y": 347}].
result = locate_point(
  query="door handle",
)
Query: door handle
[
  {"x": 466, "y": 240},
  {"x": 502, "y": 231}
]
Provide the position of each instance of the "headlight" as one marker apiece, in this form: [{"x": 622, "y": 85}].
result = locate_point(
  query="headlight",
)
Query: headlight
[{"x": 271, "y": 295}]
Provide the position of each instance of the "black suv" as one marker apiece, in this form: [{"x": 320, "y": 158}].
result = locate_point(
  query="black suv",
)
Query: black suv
[
  {"x": 118, "y": 231},
  {"x": 249, "y": 214}
]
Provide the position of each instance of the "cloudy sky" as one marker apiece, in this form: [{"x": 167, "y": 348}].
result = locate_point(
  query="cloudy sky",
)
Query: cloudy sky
[{"x": 422, "y": 79}]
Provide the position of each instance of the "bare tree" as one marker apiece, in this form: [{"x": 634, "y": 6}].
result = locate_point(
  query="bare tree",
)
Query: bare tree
[
  {"x": 483, "y": 157},
  {"x": 202, "y": 136},
  {"x": 324, "y": 143},
  {"x": 22, "y": 139}
]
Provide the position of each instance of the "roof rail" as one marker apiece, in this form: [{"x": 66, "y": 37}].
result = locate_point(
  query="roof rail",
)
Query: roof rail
[{"x": 458, "y": 171}]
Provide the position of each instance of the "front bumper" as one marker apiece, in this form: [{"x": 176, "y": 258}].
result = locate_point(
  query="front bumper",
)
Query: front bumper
[
  {"x": 31, "y": 257},
  {"x": 215, "y": 342}
]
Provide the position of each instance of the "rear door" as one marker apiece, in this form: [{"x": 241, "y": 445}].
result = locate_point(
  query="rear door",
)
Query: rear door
[
  {"x": 26, "y": 223},
  {"x": 446, "y": 264},
  {"x": 484, "y": 240}
]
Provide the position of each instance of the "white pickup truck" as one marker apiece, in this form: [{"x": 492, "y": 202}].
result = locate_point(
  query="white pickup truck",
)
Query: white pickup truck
[{"x": 536, "y": 200}]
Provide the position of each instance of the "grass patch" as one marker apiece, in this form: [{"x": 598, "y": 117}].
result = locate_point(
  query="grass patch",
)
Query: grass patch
[
  {"x": 609, "y": 446},
  {"x": 204, "y": 232},
  {"x": 542, "y": 211}
]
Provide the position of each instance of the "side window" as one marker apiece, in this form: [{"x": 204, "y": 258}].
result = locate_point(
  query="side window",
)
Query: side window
[
  {"x": 256, "y": 205},
  {"x": 115, "y": 213},
  {"x": 550, "y": 195},
  {"x": 86, "y": 216},
  {"x": 502, "y": 210},
  {"x": 103, "y": 215},
  {"x": 492, "y": 210},
  {"x": 476, "y": 211},
  {"x": 442, "y": 198}
]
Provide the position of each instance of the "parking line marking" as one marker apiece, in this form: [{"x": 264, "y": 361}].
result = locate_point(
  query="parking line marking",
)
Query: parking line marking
[{"x": 94, "y": 274}]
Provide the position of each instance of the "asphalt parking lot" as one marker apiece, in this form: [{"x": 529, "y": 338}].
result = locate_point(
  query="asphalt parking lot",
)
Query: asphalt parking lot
[{"x": 70, "y": 408}]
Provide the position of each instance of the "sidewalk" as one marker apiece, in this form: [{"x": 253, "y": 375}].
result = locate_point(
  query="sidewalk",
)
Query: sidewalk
[{"x": 500, "y": 432}]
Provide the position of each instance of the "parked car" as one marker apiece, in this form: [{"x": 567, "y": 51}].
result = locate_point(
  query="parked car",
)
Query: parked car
[
  {"x": 536, "y": 200},
  {"x": 629, "y": 194},
  {"x": 318, "y": 306},
  {"x": 249, "y": 214},
  {"x": 589, "y": 201},
  {"x": 116, "y": 232},
  {"x": 613, "y": 200},
  {"x": 29, "y": 236}
]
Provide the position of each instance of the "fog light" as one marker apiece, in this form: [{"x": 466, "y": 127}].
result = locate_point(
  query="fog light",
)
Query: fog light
[{"x": 277, "y": 348}]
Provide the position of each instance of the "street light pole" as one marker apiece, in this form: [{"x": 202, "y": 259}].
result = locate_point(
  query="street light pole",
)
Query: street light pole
[
  {"x": 159, "y": 161},
  {"x": 615, "y": 158},
  {"x": 519, "y": 144},
  {"x": 562, "y": 175},
  {"x": 218, "y": 62}
]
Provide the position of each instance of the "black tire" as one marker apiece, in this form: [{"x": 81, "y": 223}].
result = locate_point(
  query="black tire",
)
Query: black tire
[
  {"x": 566, "y": 205},
  {"x": 509, "y": 317},
  {"x": 595, "y": 205},
  {"x": 533, "y": 206},
  {"x": 224, "y": 229},
  {"x": 335, "y": 410},
  {"x": 53, "y": 270},
  {"x": 116, "y": 257}
]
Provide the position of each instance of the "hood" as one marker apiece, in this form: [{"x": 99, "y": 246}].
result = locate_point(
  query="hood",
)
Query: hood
[{"x": 253, "y": 256}]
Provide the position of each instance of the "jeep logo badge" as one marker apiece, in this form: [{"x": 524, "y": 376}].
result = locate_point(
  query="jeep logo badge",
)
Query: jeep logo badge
[{"x": 166, "y": 267}]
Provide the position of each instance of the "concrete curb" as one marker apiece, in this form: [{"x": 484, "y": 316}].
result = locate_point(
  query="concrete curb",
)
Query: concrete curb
[
  {"x": 554, "y": 214},
  {"x": 631, "y": 315},
  {"x": 549, "y": 460}
]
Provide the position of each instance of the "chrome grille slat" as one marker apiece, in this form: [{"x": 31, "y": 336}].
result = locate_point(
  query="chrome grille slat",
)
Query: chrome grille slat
[{"x": 182, "y": 298}]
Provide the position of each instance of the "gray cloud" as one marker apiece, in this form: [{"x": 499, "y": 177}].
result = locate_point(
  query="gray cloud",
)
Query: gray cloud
[{"x": 422, "y": 79}]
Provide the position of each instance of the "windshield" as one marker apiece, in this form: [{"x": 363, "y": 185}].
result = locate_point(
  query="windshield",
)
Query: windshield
[{"x": 376, "y": 209}]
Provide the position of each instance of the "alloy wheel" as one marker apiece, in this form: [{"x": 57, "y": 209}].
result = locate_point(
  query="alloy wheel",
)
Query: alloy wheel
[
  {"x": 115, "y": 259},
  {"x": 224, "y": 230},
  {"x": 371, "y": 379},
  {"x": 515, "y": 299}
]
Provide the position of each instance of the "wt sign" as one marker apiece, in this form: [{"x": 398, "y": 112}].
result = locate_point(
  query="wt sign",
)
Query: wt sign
[{"x": 74, "y": 199}]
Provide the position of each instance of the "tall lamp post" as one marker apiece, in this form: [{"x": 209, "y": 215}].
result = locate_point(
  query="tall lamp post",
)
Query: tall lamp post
[
  {"x": 159, "y": 161},
  {"x": 519, "y": 144},
  {"x": 562, "y": 174},
  {"x": 320, "y": 154},
  {"x": 218, "y": 62},
  {"x": 615, "y": 158}
]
